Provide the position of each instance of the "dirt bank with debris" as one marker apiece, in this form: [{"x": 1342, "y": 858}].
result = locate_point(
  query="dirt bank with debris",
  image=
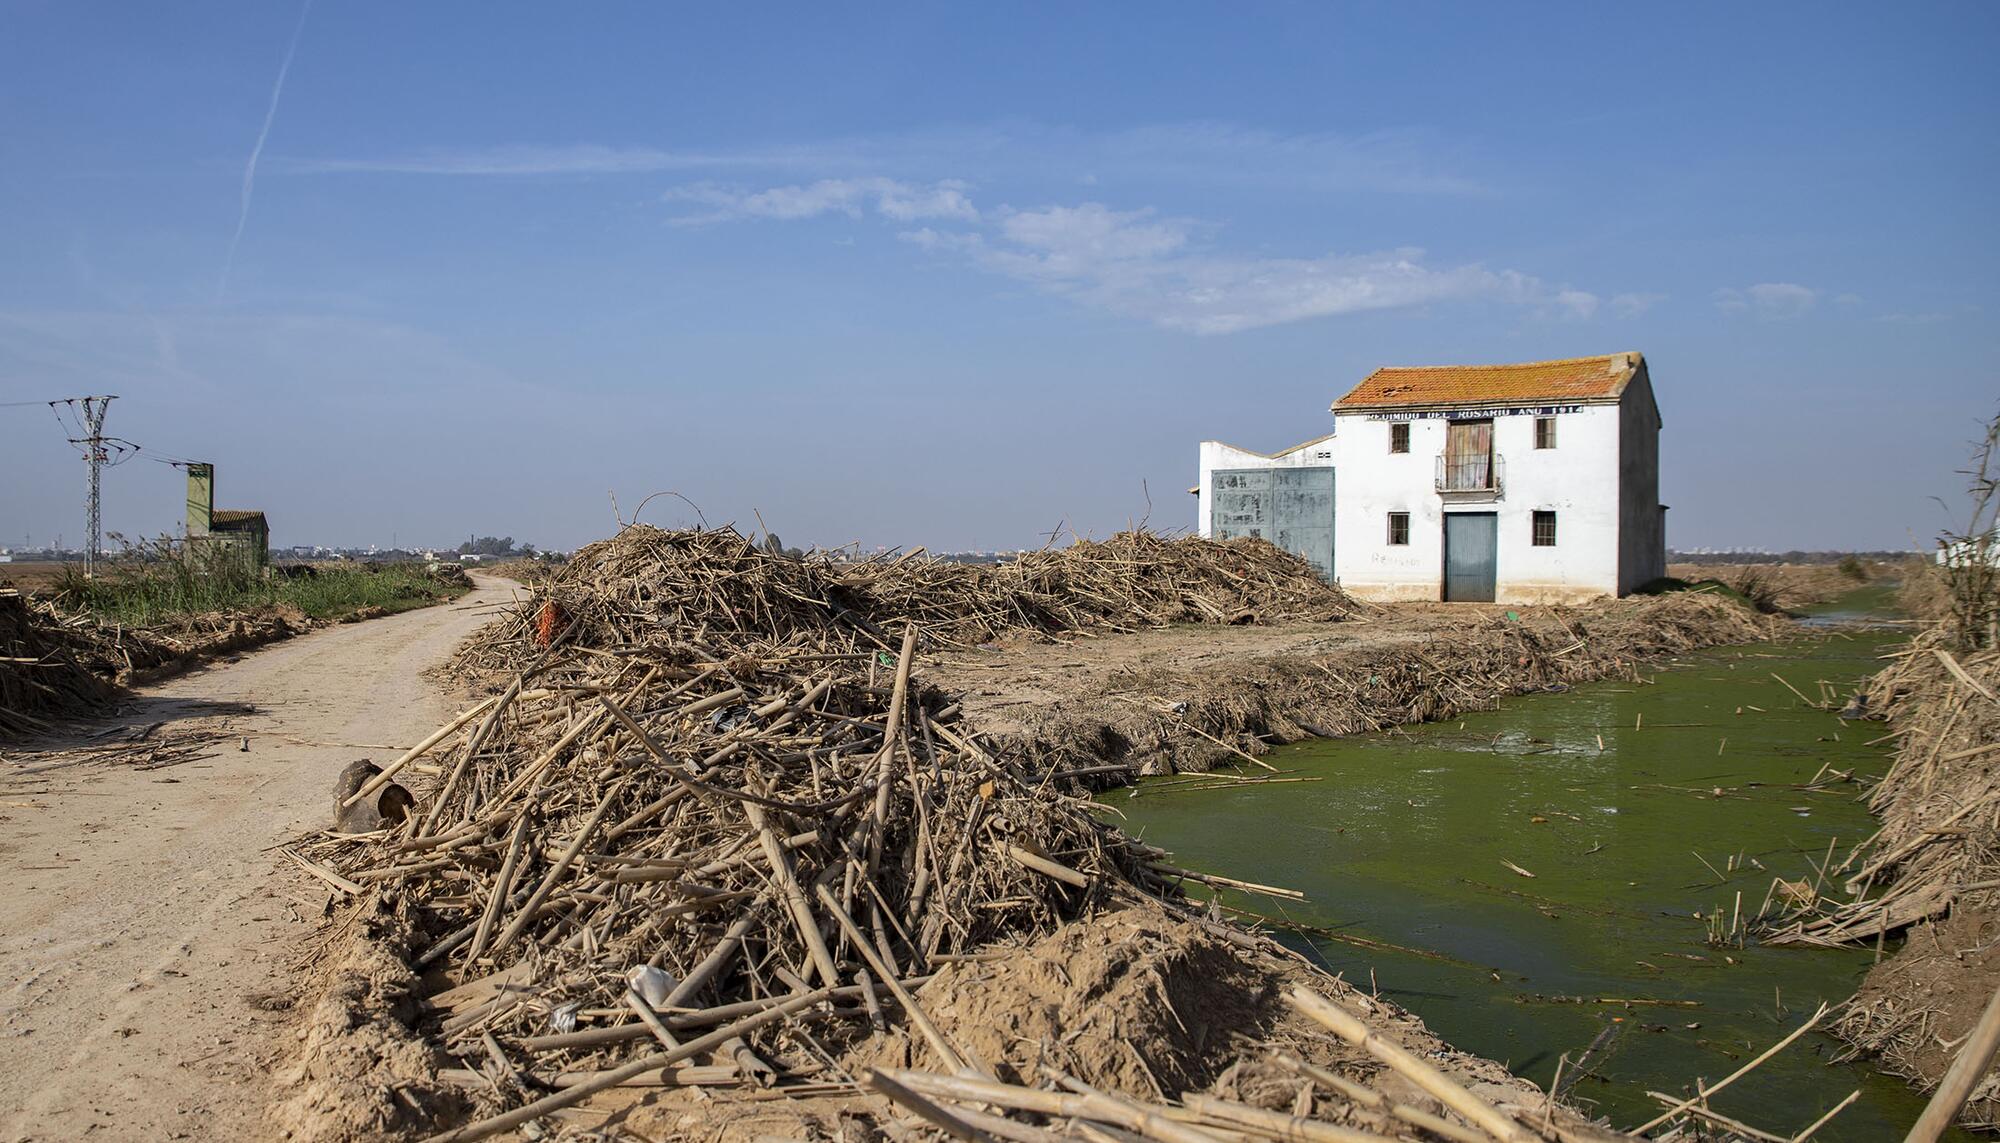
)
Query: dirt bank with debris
[
  {"x": 719, "y": 824},
  {"x": 58, "y": 660},
  {"x": 1187, "y": 699},
  {"x": 1140, "y": 1003},
  {"x": 1932, "y": 873}
]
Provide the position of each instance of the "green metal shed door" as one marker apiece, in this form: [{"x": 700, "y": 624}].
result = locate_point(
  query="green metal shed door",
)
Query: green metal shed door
[
  {"x": 1291, "y": 507},
  {"x": 1471, "y": 551}
]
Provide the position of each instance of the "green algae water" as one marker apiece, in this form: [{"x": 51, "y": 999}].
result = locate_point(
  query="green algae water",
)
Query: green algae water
[{"x": 1636, "y": 807}]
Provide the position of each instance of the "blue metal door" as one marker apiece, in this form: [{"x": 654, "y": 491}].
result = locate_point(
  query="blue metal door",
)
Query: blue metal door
[
  {"x": 1291, "y": 507},
  {"x": 1471, "y": 556}
]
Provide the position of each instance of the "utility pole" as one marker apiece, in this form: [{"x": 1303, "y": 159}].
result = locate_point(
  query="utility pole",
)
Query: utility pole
[{"x": 96, "y": 455}]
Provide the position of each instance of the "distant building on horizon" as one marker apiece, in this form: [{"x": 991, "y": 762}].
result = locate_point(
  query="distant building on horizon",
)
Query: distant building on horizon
[
  {"x": 1529, "y": 483},
  {"x": 240, "y": 530}
]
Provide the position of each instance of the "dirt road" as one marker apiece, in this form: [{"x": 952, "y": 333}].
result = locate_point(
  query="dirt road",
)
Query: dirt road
[{"x": 145, "y": 929}]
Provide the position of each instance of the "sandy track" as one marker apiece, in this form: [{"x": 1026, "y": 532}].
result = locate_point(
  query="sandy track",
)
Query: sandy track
[{"x": 145, "y": 929}]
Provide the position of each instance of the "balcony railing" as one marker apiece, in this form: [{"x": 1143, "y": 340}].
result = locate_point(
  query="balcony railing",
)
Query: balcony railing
[{"x": 1483, "y": 473}]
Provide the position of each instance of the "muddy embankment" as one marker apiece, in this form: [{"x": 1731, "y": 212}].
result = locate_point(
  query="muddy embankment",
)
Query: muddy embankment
[
  {"x": 1188, "y": 699},
  {"x": 722, "y": 854},
  {"x": 1932, "y": 873}
]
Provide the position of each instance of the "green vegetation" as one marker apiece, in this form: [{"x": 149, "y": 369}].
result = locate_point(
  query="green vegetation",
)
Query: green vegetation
[{"x": 151, "y": 587}]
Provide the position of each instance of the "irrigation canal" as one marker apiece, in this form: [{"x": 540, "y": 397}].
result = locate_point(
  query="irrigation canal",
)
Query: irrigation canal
[{"x": 1635, "y": 807}]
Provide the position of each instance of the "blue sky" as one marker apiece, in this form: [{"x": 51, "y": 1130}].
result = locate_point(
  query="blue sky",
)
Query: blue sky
[{"x": 955, "y": 276}]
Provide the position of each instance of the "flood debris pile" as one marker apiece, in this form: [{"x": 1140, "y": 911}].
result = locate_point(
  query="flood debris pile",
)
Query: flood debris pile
[
  {"x": 44, "y": 668},
  {"x": 712, "y": 834},
  {"x": 1931, "y": 873},
  {"x": 57, "y": 662},
  {"x": 717, "y": 580}
]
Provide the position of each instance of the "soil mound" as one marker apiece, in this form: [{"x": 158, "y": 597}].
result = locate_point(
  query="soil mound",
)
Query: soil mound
[{"x": 1136, "y": 1002}]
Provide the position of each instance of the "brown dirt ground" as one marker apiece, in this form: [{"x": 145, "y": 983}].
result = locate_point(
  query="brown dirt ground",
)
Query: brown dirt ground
[
  {"x": 144, "y": 935},
  {"x": 1917, "y": 1007},
  {"x": 30, "y": 575}
]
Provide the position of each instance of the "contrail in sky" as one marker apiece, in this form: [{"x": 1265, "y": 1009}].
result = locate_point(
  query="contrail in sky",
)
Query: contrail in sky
[{"x": 250, "y": 168}]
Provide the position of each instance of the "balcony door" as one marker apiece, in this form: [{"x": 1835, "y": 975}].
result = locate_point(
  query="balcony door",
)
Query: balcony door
[{"x": 1468, "y": 456}]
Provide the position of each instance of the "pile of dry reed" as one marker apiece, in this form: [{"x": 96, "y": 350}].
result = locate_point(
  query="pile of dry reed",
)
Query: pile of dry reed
[
  {"x": 710, "y": 812},
  {"x": 1939, "y": 804},
  {"x": 716, "y": 580},
  {"x": 44, "y": 672}
]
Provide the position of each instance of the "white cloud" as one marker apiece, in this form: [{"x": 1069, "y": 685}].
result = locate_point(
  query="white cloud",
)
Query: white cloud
[
  {"x": 1210, "y": 153},
  {"x": 902, "y": 202},
  {"x": 1137, "y": 262},
  {"x": 946, "y": 199},
  {"x": 1143, "y": 266},
  {"x": 1771, "y": 301},
  {"x": 1632, "y": 305},
  {"x": 1579, "y": 303}
]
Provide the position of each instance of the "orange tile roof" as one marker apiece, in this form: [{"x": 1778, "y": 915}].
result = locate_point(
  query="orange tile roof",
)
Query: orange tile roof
[{"x": 1573, "y": 379}]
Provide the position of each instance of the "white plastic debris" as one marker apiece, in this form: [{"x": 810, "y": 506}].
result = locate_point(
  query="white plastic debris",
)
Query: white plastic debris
[
  {"x": 563, "y": 1019},
  {"x": 652, "y": 983}
]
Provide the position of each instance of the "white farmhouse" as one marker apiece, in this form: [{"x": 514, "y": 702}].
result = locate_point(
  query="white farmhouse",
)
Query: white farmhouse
[{"x": 1532, "y": 483}]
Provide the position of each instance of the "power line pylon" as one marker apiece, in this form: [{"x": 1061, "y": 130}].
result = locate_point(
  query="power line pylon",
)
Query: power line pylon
[{"x": 96, "y": 455}]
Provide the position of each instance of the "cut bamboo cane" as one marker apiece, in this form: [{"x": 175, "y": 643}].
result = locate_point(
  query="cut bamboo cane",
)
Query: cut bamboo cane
[
  {"x": 795, "y": 897},
  {"x": 1274, "y": 1124},
  {"x": 1151, "y": 1123},
  {"x": 939, "y": 1043},
  {"x": 535, "y": 899},
  {"x": 952, "y": 1123},
  {"x": 574, "y": 1095},
  {"x": 1433, "y": 1082},
  {"x": 389, "y": 772}
]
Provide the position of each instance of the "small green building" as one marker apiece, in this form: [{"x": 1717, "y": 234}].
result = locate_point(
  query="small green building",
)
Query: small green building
[{"x": 223, "y": 529}]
